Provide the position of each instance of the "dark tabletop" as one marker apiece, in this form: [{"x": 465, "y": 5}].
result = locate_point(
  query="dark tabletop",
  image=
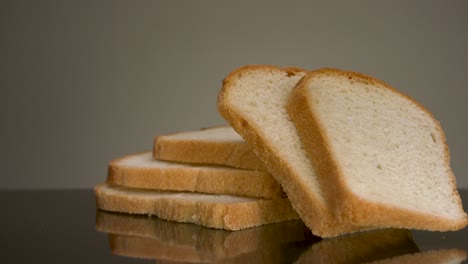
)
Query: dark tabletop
[{"x": 64, "y": 226}]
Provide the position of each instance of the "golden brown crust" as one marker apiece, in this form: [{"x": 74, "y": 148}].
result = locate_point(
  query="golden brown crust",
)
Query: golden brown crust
[
  {"x": 235, "y": 154},
  {"x": 311, "y": 210},
  {"x": 351, "y": 207},
  {"x": 203, "y": 179},
  {"x": 212, "y": 213}
]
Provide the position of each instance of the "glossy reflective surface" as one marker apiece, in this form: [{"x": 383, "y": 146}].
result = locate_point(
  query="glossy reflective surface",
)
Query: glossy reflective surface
[{"x": 65, "y": 227}]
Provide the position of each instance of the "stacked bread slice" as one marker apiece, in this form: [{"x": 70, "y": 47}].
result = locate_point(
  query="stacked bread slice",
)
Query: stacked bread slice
[
  {"x": 216, "y": 145},
  {"x": 216, "y": 196},
  {"x": 343, "y": 150}
]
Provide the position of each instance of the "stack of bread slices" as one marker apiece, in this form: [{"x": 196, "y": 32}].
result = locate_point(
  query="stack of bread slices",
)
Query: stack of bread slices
[
  {"x": 186, "y": 179},
  {"x": 342, "y": 151}
]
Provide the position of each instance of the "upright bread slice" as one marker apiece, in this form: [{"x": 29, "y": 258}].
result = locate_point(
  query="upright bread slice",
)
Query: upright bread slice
[
  {"x": 253, "y": 100},
  {"x": 216, "y": 145},
  {"x": 141, "y": 171},
  {"x": 381, "y": 157},
  {"x": 216, "y": 211}
]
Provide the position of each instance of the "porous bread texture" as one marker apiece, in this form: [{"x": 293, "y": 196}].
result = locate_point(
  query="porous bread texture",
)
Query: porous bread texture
[
  {"x": 142, "y": 171},
  {"x": 380, "y": 156},
  {"x": 253, "y": 100},
  {"x": 215, "y": 211},
  {"x": 215, "y": 145}
]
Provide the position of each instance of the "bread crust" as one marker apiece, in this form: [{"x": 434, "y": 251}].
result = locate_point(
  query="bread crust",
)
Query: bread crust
[
  {"x": 214, "y": 212},
  {"x": 349, "y": 206},
  {"x": 312, "y": 211},
  {"x": 235, "y": 154},
  {"x": 203, "y": 179}
]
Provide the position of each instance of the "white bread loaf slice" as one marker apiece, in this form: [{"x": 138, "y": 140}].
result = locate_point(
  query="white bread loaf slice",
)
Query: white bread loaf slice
[
  {"x": 142, "y": 171},
  {"x": 215, "y": 211},
  {"x": 215, "y": 145},
  {"x": 381, "y": 157},
  {"x": 194, "y": 243},
  {"x": 253, "y": 100}
]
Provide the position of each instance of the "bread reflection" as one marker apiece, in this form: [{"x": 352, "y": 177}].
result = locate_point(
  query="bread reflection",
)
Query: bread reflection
[
  {"x": 386, "y": 246},
  {"x": 361, "y": 247},
  {"x": 287, "y": 242},
  {"x": 152, "y": 238},
  {"x": 452, "y": 256}
]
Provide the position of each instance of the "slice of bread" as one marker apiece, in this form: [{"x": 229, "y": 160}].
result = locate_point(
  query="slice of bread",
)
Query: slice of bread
[
  {"x": 253, "y": 100},
  {"x": 142, "y": 171},
  {"x": 216, "y": 145},
  {"x": 189, "y": 242},
  {"x": 361, "y": 247},
  {"x": 380, "y": 156},
  {"x": 216, "y": 211}
]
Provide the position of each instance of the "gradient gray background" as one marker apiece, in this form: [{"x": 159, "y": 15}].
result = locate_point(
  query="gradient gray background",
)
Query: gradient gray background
[{"x": 84, "y": 82}]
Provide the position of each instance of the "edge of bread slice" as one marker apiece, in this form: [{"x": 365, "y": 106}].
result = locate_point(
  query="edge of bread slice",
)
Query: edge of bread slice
[
  {"x": 219, "y": 145},
  {"x": 253, "y": 100},
  {"x": 381, "y": 157},
  {"x": 142, "y": 171},
  {"x": 215, "y": 211}
]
